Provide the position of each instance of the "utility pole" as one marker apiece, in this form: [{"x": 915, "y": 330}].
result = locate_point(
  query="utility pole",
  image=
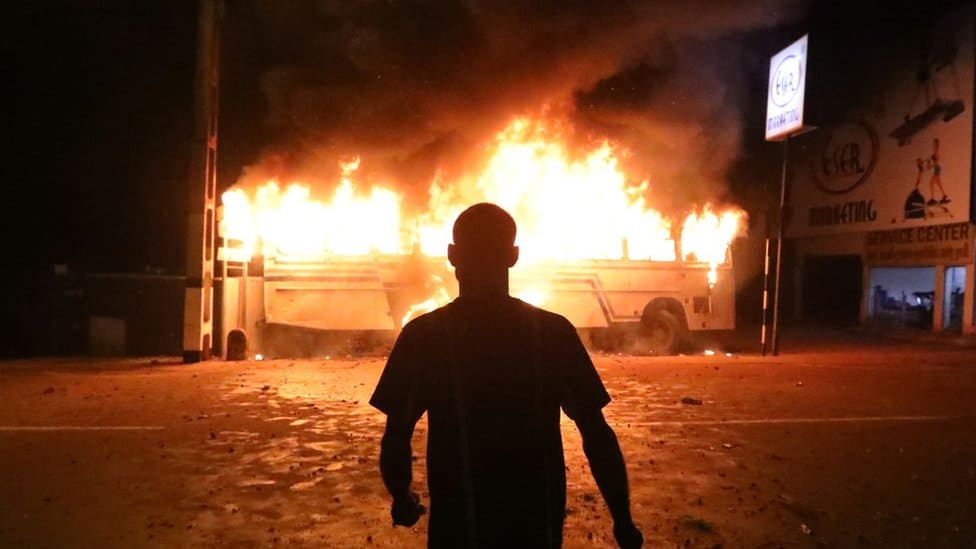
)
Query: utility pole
[{"x": 198, "y": 318}]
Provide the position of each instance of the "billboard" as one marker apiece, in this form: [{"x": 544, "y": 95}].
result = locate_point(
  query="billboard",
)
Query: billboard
[
  {"x": 784, "y": 96},
  {"x": 902, "y": 158}
]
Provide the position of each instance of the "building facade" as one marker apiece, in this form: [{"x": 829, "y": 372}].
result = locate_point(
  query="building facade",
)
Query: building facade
[{"x": 881, "y": 201}]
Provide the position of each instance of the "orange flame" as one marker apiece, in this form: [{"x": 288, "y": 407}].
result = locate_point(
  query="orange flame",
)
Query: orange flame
[
  {"x": 706, "y": 237},
  {"x": 439, "y": 298},
  {"x": 568, "y": 207},
  {"x": 291, "y": 222}
]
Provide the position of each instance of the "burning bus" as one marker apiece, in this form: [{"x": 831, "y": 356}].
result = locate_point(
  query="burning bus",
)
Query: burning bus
[{"x": 359, "y": 262}]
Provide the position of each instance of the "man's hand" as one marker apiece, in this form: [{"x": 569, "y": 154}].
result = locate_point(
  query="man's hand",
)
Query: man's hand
[
  {"x": 628, "y": 536},
  {"x": 406, "y": 511}
]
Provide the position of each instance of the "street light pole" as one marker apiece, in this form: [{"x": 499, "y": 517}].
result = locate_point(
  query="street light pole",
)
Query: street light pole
[{"x": 779, "y": 244}]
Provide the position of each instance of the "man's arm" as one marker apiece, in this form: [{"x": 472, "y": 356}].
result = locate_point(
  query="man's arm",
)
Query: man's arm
[
  {"x": 396, "y": 467},
  {"x": 607, "y": 464}
]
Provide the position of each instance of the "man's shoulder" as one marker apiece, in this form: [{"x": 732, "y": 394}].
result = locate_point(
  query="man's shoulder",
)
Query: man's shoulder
[
  {"x": 427, "y": 322},
  {"x": 546, "y": 319},
  {"x": 439, "y": 319}
]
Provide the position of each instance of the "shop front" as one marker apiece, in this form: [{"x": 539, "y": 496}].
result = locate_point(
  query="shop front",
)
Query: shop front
[{"x": 921, "y": 277}]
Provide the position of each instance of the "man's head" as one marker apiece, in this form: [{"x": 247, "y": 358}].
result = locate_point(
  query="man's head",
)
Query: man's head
[{"x": 484, "y": 246}]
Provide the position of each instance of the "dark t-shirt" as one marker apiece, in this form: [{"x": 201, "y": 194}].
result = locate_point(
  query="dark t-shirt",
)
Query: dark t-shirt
[{"x": 492, "y": 378}]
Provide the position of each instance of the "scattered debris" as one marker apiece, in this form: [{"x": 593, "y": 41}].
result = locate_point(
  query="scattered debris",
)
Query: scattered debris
[
  {"x": 727, "y": 445},
  {"x": 799, "y": 384},
  {"x": 257, "y": 482},
  {"x": 806, "y": 529},
  {"x": 304, "y": 485},
  {"x": 696, "y": 523},
  {"x": 691, "y": 401}
]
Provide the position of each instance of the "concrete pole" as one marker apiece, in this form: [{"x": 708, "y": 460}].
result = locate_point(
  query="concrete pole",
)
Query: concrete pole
[
  {"x": 938, "y": 300},
  {"x": 969, "y": 298},
  {"x": 867, "y": 293},
  {"x": 198, "y": 318}
]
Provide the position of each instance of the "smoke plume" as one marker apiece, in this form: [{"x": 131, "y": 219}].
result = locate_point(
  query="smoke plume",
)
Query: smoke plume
[{"x": 417, "y": 88}]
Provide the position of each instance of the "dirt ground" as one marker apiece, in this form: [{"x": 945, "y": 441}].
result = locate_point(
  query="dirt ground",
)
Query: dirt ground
[{"x": 839, "y": 442}]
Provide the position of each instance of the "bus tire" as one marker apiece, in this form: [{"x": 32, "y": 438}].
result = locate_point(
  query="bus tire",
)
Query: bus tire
[
  {"x": 663, "y": 332},
  {"x": 236, "y": 345}
]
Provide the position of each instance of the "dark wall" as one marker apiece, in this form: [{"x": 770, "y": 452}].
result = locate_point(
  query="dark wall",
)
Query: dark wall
[
  {"x": 55, "y": 320},
  {"x": 832, "y": 289}
]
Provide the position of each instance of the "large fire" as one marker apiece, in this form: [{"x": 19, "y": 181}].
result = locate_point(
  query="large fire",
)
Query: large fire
[
  {"x": 289, "y": 221},
  {"x": 568, "y": 207}
]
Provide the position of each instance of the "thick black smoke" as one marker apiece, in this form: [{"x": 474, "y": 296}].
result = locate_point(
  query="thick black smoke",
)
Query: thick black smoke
[{"x": 416, "y": 88}]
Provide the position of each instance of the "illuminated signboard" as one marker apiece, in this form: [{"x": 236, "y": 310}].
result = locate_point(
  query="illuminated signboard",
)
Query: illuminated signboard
[{"x": 787, "y": 80}]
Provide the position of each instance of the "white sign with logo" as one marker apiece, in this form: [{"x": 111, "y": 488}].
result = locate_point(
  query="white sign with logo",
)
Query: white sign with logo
[
  {"x": 901, "y": 154},
  {"x": 784, "y": 101}
]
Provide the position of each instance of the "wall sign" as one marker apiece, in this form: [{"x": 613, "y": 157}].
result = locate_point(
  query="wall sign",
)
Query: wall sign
[
  {"x": 950, "y": 244},
  {"x": 846, "y": 157}
]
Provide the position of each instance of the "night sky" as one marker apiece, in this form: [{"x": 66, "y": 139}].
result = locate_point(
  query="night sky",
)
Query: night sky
[{"x": 102, "y": 102}]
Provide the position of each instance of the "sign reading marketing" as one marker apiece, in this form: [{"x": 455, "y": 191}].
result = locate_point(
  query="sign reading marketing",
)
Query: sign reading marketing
[{"x": 787, "y": 80}]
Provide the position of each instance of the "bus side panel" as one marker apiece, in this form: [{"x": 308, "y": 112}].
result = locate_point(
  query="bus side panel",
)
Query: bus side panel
[
  {"x": 723, "y": 301},
  {"x": 349, "y": 306}
]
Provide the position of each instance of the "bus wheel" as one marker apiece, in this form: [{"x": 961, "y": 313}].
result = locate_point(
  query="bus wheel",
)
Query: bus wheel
[
  {"x": 236, "y": 345},
  {"x": 663, "y": 332}
]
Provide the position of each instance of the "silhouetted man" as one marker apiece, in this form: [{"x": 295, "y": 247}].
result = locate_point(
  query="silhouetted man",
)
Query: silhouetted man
[{"x": 492, "y": 373}]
